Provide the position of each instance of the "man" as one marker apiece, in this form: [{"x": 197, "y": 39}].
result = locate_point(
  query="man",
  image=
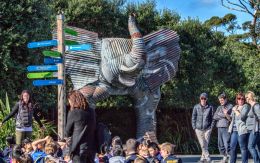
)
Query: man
[
  {"x": 202, "y": 123},
  {"x": 221, "y": 116}
]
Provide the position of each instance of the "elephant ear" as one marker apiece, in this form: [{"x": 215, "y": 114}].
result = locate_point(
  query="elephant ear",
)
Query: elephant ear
[
  {"x": 82, "y": 66},
  {"x": 163, "y": 53}
]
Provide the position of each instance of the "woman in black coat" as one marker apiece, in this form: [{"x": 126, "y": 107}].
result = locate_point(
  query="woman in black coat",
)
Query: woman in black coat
[{"x": 81, "y": 124}]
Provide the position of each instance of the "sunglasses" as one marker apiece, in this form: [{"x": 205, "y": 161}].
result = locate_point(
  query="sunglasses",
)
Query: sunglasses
[
  {"x": 203, "y": 99},
  {"x": 240, "y": 98}
]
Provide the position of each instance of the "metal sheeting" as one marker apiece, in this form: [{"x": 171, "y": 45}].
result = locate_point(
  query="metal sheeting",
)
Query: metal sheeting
[
  {"x": 113, "y": 52},
  {"x": 163, "y": 53},
  {"x": 83, "y": 66}
]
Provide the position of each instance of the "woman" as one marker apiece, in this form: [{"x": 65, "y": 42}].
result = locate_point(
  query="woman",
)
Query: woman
[
  {"x": 238, "y": 129},
  {"x": 252, "y": 123},
  {"x": 24, "y": 110},
  {"x": 81, "y": 124}
]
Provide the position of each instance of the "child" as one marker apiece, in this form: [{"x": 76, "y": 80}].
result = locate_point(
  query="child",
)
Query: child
[{"x": 167, "y": 153}]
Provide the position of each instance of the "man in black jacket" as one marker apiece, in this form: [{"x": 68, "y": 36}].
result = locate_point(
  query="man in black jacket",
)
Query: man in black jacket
[{"x": 202, "y": 123}]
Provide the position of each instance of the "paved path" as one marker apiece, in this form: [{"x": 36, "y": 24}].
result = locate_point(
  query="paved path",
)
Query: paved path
[{"x": 214, "y": 158}]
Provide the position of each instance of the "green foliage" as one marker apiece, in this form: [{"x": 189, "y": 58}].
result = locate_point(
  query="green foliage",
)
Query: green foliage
[
  {"x": 228, "y": 22},
  {"x": 8, "y": 128},
  {"x": 101, "y": 16},
  {"x": 38, "y": 133},
  {"x": 21, "y": 22}
]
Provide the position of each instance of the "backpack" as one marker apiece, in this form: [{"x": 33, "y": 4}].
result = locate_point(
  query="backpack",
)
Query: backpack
[
  {"x": 103, "y": 136},
  {"x": 38, "y": 156}
]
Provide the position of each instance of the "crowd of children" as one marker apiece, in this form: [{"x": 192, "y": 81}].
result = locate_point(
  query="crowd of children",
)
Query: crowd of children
[{"x": 47, "y": 150}]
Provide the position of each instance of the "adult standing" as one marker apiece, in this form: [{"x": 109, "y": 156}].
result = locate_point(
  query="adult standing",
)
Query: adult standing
[
  {"x": 81, "y": 124},
  {"x": 252, "y": 124},
  {"x": 221, "y": 116},
  {"x": 24, "y": 110},
  {"x": 238, "y": 129},
  {"x": 202, "y": 123}
]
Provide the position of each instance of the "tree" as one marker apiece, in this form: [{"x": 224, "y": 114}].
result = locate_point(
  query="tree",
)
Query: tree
[
  {"x": 214, "y": 21},
  {"x": 251, "y": 7},
  {"x": 228, "y": 22},
  {"x": 21, "y": 22}
]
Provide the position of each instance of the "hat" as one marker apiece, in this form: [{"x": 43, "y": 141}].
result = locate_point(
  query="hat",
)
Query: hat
[
  {"x": 222, "y": 95},
  {"x": 205, "y": 95}
]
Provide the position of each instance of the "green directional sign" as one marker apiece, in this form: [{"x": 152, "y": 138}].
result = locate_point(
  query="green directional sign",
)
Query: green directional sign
[
  {"x": 71, "y": 32},
  {"x": 38, "y": 75},
  {"x": 70, "y": 42},
  {"x": 48, "y": 53}
]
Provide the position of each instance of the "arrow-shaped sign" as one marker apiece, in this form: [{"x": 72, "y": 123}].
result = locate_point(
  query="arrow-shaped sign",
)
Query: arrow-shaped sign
[
  {"x": 39, "y": 75},
  {"x": 71, "y": 31},
  {"x": 49, "y": 61},
  {"x": 42, "y": 68},
  {"x": 70, "y": 42},
  {"x": 81, "y": 47},
  {"x": 42, "y": 44},
  {"x": 47, "y": 82},
  {"x": 48, "y": 53}
]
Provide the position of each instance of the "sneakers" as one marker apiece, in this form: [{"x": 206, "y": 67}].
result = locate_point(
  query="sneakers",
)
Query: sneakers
[
  {"x": 205, "y": 160},
  {"x": 202, "y": 159},
  {"x": 208, "y": 159},
  {"x": 225, "y": 159}
]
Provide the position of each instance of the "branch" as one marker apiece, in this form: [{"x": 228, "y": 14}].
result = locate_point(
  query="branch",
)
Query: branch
[
  {"x": 246, "y": 2},
  {"x": 232, "y": 3},
  {"x": 245, "y": 7},
  {"x": 240, "y": 10}
]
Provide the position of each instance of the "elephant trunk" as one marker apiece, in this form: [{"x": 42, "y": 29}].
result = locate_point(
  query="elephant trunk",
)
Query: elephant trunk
[{"x": 135, "y": 60}]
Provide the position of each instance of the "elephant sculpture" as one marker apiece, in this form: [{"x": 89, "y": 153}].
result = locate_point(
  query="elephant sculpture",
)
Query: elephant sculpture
[{"x": 117, "y": 66}]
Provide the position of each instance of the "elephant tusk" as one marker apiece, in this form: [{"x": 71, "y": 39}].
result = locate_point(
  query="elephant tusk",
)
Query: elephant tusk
[
  {"x": 133, "y": 68},
  {"x": 126, "y": 81}
]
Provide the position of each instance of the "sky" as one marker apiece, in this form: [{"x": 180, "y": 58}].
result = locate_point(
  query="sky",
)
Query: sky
[{"x": 201, "y": 9}]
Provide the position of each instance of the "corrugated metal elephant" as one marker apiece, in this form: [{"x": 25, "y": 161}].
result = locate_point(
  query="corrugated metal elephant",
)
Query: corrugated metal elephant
[{"x": 116, "y": 66}]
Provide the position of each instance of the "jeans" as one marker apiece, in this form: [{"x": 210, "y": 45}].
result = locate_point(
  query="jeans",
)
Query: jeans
[
  {"x": 21, "y": 135},
  {"x": 203, "y": 137},
  {"x": 233, "y": 147},
  {"x": 223, "y": 138},
  {"x": 243, "y": 143},
  {"x": 253, "y": 143}
]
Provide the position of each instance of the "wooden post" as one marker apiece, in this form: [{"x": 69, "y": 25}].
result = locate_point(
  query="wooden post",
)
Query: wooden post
[{"x": 61, "y": 75}]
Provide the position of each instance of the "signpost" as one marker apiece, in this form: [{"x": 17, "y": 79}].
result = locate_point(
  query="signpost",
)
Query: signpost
[
  {"x": 49, "y": 61},
  {"x": 48, "y": 82},
  {"x": 51, "y": 58},
  {"x": 61, "y": 76},
  {"x": 48, "y": 53},
  {"x": 79, "y": 47},
  {"x": 42, "y": 44},
  {"x": 42, "y": 68},
  {"x": 38, "y": 75},
  {"x": 71, "y": 32}
]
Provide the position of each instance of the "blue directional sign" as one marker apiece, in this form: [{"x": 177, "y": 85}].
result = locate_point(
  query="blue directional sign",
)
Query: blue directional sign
[
  {"x": 49, "y": 61},
  {"x": 42, "y": 68},
  {"x": 42, "y": 44},
  {"x": 47, "y": 82},
  {"x": 81, "y": 47}
]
